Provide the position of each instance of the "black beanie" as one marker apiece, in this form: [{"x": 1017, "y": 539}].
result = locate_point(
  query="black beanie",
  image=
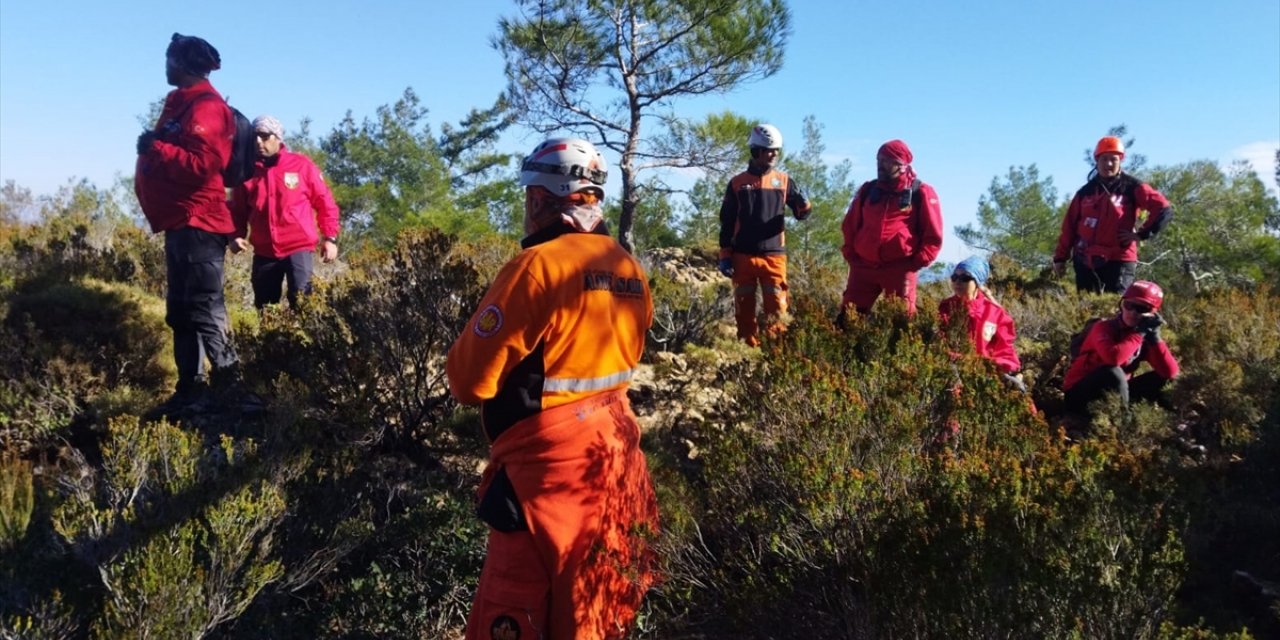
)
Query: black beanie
[{"x": 193, "y": 55}]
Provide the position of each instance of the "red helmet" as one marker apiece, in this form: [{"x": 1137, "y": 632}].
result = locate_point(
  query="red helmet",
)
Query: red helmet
[
  {"x": 1109, "y": 144},
  {"x": 1145, "y": 291}
]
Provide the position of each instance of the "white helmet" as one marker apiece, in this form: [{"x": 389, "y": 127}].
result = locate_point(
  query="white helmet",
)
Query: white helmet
[
  {"x": 765, "y": 136},
  {"x": 564, "y": 166}
]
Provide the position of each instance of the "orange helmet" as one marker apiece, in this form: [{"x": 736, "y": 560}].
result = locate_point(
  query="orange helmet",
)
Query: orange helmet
[
  {"x": 1145, "y": 291},
  {"x": 1109, "y": 144}
]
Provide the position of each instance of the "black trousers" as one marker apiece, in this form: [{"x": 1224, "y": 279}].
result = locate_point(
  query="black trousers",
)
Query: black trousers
[
  {"x": 270, "y": 273},
  {"x": 194, "y": 305},
  {"x": 1110, "y": 276},
  {"x": 1147, "y": 386}
]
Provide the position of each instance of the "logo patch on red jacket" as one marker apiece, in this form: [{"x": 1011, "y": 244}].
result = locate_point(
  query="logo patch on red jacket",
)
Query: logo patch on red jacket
[
  {"x": 291, "y": 179},
  {"x": 988, "y": 331},
  {"x": 488, "y": 321}
]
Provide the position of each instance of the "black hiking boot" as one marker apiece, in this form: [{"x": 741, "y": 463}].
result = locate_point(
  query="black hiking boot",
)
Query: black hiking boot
[
  {"x": 184, "y": 403},
  {"x": 231, "y": 395}
]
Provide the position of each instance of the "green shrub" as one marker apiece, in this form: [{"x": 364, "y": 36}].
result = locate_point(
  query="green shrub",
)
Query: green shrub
[
  {"x": 17, "y": 499},
  {"x": 371, "y": 347},
  {"x": 839, "y": 505}
]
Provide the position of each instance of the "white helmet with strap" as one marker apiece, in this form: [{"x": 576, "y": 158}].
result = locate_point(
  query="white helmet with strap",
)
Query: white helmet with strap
[
  {"x": 564, "y": 166},
  {"x": 765, "y": 136}
]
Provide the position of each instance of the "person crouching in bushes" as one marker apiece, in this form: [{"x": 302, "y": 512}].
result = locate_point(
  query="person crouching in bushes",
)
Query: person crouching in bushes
[
  {"x": 548, "y": 356},
  {"x": 1114, "y": 348},
  {"x": 990, "y": 327}
]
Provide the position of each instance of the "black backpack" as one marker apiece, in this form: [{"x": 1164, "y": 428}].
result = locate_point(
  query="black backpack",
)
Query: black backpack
[
  {"x": 244, "y": 152},
  {"x": 244, "y": 149},
  {"x": 1077, "y": 338}
]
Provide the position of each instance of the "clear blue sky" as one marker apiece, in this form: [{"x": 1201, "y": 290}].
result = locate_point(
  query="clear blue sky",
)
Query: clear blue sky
[{"x": 973, "y": 87}]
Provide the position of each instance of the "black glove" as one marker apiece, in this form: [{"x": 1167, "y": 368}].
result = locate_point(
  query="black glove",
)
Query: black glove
[
  {"x": 726, "y": 267},
  {"x": 145, "y": 140},
  {"x": 1149, "y": 326}
]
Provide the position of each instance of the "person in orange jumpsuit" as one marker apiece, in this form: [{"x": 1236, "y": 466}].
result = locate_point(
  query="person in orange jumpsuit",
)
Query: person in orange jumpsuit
[
  {"x": 751, "y": 236},
  {"x": 548, "y": 357}
]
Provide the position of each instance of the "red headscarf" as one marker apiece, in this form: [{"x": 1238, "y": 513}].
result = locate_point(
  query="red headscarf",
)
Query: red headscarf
[{"x": 898, "y": 150}]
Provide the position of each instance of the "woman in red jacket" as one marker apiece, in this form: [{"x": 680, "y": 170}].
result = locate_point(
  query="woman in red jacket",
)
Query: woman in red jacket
[
  {"x": 990, "y": 327},
  {"x": 1114, "y": 348}
]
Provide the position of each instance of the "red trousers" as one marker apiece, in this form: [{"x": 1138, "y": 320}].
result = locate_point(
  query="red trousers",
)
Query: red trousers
[
  {"x": 867, "y": 283},
  {"x": 581, "y": 569},
  {"x": 769, "y": 274}
]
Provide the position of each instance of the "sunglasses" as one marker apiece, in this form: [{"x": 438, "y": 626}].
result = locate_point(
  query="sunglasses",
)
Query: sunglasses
[
  {"x": 961, "y": 278},
  {"x": 1137, "y": 307},
  {"x": 263, "y": 135}
]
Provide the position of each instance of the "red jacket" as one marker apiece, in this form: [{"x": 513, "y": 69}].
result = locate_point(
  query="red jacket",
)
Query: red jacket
[
  {"x": 880, "y": 231},
  {"x": 990, "y": 328},
  {"x": 179, "y": 179},
  {"x": 1097, "y": 215},
  {"x": 752, "y": 216},
  {"x": 282, "y": 204},
  {"x": 1112, "y": 344}
]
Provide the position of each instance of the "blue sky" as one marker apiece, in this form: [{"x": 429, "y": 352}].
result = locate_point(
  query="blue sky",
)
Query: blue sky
[{"x": 973, "y": 87}]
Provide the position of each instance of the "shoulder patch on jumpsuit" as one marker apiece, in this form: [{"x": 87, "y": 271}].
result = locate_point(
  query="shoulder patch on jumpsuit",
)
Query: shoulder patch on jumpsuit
[{"x": 488, "y": 321}]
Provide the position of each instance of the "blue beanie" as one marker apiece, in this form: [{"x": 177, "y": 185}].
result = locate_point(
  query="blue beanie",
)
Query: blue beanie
[{"x": 976, "y": 268}]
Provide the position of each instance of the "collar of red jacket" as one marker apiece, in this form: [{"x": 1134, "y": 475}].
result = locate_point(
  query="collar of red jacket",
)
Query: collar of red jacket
[{"x": 186, "y": 94}]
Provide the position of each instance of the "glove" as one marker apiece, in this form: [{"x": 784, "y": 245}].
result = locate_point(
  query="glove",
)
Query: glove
[
  {"x": 726, "y": 267},
  {"x": 1149, "y": 326},
  {"x": 145, "y": 140}
]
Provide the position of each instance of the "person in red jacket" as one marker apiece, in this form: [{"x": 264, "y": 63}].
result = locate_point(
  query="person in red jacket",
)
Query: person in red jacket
[
  {"x": 178, "y": 181},
  {"x": 285, "y": 209},
  {"x": 990, "y": 327},
  {"x": 548, "y": 356},
  {"x": 892, "y": 230},
  {"x": 1098, "y": 232},
  {"x": 752, "y": 241},
  {"x": 1114, "y": 348}
]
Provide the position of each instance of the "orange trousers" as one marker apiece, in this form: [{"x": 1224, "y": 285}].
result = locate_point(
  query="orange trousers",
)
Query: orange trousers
[
  {"x": 769, "y": 274},
  {"x": 581, "y": 569}
]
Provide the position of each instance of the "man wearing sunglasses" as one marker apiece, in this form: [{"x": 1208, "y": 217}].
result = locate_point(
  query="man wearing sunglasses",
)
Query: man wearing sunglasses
[
  {"x": 285, "y": 210},
  {"x": 752, "y": 240},
  {"x": 1114, "y": 348}
]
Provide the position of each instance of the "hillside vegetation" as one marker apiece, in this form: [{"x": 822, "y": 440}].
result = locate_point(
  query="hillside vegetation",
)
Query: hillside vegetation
[{"x": 857, "y": 484}]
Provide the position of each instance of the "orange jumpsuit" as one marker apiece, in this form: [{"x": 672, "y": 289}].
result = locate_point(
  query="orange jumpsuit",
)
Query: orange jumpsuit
[{"x": 548, "y": 356}]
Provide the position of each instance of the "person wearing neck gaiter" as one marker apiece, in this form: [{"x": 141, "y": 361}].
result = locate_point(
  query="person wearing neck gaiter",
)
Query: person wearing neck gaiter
[
  {"x": 548, "y": 356},
  {"x": 1100, "y": 233},
  {"x": 284, "y": 210},
  {"x": 892, "y": 230}
]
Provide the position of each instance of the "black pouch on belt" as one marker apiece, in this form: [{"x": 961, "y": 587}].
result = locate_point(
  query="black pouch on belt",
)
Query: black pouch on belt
[{"x": 499, "y": 506}]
